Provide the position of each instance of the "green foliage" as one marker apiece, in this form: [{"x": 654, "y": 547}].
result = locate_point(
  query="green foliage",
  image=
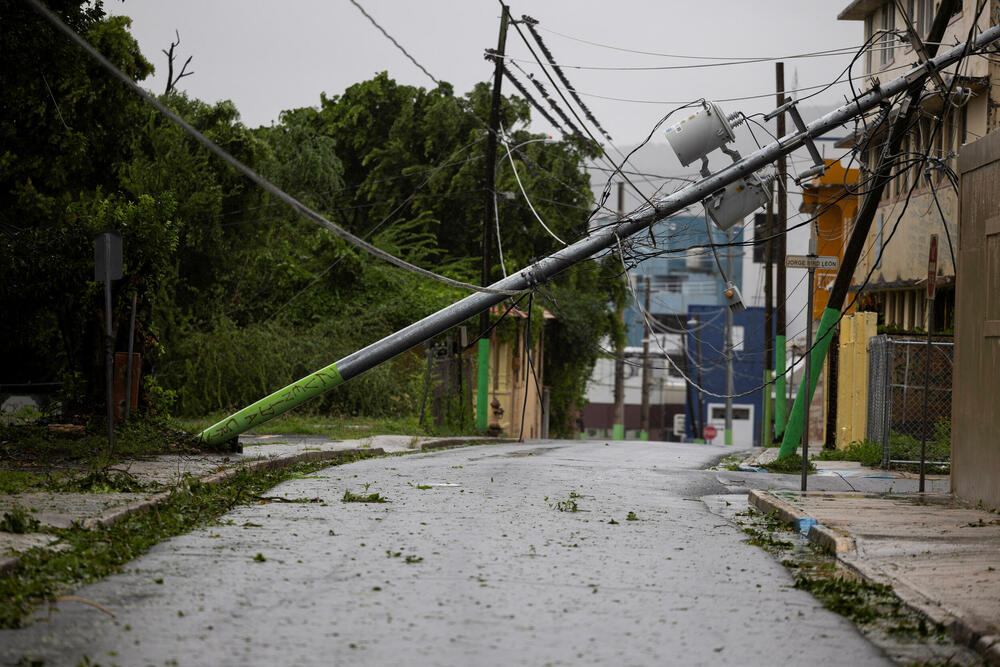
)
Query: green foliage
[
  {"x": 237, "y": 294},
  {"x": 90, "y": 555},
  {"x": 791, "y": 464},
  {"x": 18, "y": 520},
  {"x": 351, "y": 497},
  {"x": 229, "y": 367},
  {"x": 865, "y": 452},
  {"x": 860, "y": 601}
]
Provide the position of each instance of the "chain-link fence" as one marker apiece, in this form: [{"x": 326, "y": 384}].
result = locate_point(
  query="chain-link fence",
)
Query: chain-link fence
[{"x": 898, "y": 415}]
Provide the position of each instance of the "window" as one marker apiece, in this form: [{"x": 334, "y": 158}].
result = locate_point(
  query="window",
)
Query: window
[
  {"x": 869, "y": 30},
  {"x": 921, "y": 13},
  {"x": 886, "y": 40}
]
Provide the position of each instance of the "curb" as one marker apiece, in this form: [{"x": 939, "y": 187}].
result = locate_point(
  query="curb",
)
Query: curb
[
  {"x": 115, "y": 514},
  {"x": 448, "y": 443},
  {"x": 8, "y": 564},
  {"x": 831, "y": 539},
  {"x": 842, "y": 546}
]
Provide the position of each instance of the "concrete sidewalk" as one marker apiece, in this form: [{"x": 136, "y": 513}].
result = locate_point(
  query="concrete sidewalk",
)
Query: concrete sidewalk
[
  {"x": 92, "y": 510},
  {"x": 940, "y": 556}
]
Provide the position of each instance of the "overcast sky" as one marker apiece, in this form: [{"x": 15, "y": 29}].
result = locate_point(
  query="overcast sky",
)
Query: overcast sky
[{"x": 267, "y": 56}]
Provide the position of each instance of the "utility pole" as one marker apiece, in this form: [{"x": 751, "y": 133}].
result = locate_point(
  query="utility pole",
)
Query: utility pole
[
  {"x": 883, "y": 174},
  {"x": 489, "y": 222},
  {"x": 644, "y": 406},
  {"x": 781, "y": 251},
  {"x": 597, "y": 241},
  {"x": 618, "y": 420},
  {"x": 699, "y": 425},
  {"x": 808, "y": 368},
  {"x": 767, "y": 431},
  {"x": 728, "y": 347}
]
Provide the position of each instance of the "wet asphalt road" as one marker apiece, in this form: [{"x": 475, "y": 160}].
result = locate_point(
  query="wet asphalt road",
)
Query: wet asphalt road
[{"x": 482, "y": 568}]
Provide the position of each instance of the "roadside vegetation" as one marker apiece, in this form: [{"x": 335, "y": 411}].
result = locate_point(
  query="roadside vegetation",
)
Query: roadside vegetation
[
  {"x": 236, "y": 294},
  {"x": 44, "y": 575},
  {"x": 904, "y": 634}
]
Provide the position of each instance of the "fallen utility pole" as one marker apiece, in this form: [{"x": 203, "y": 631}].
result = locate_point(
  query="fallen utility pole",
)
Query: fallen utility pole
[
  {"x": 913, "y": 82},
  {"x": 530, "y": 277}
]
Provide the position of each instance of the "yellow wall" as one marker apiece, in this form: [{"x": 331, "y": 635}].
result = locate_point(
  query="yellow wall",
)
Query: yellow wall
[
  {"x": 835, "y": 220},
  {"x": 852, "y": 377},
  {"x": 510, "y": 378}
]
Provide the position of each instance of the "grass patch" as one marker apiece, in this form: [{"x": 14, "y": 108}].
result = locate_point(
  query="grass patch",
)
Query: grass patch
[
  {"x": 728, "y": 463},
  {"x": 330, "y": 426},
  {"x": 18, "y": 521},
  {"x": 91, "y": 555},
  {"x": 874, "y": 608},
  {"x": 351, "y": 497},
  {"x": 569, "y": 505},
  {"x": 865, "y": 452},
  {"x": 791, "y": 464},
  {"x": 36, "y": 458}
]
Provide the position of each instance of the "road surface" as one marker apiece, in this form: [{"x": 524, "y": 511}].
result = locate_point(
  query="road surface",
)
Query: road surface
[{"x": 488, "y": 555}]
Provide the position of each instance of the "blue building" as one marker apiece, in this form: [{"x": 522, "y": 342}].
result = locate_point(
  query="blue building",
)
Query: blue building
[
  {"x": 708, "y": 332},
  {"x": 681, "y": 279},
  {"x": 684, "y": 276}
]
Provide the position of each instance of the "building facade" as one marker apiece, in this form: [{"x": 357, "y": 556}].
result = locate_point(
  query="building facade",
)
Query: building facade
[
  {"x": 684, "y": 275},
  {"x": 921, "y": 198}
]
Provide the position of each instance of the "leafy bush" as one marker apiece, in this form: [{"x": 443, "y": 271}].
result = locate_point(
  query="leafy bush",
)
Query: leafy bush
[
  {"x": 865, "y": 452},
  {"x": 231, "y": 367},
  {"x": 790, "y": 464}
]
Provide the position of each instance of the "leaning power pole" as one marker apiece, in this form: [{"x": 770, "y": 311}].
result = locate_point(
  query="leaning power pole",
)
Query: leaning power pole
[
  {"x": 618, "y": 419},
  {"x": 767, "y": 431},
  {"x": 780, "y": 223},
  {"x": 913, "y": 84},
  {"x": 586, "y": 248},
  {"x": 489, "y": 222}
]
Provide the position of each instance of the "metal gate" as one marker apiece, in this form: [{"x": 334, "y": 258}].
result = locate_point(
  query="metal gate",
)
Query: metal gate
[{"x": 896, "y": 386}]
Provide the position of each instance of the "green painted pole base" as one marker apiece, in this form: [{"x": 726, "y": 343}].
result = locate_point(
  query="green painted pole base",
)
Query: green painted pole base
[
  {"x": 271, "y": 406},
  {"x": 618, "y": 432},
  {"x": 729, "y": 436},
  {"x": 765, "y": 422},
  {"x": 482, "y": 385},
  {"x": 793, "y": 431},
  {"x": 780, "y": 402}
]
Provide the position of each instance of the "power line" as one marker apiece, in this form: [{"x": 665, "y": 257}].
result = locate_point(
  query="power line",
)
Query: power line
[
  {"x": 219, "y": 152},
  {"x": 531, "y": 23},
  {"x": 397, "y": 44},
  {"x": 837, "y": 51}
]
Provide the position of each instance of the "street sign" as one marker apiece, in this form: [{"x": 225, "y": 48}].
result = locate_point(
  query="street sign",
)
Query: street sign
[
  {"x": 108, "y": 256},
  {"x": 709, "y": 432},
  {"x": 829, "y": 263},
  {"x": 932, "y": 267}
]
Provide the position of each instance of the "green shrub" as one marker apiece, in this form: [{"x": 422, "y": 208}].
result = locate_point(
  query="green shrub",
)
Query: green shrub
[
  {"x": 790, "y": 464},
  {"x": 865, "y": 452},
  {"x": 230, "y": 367}
]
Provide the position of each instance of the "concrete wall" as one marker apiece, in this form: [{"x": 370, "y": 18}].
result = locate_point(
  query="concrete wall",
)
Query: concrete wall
[
  {"x": 975, "y": 449},
  {"x": 852, "y": 378}
]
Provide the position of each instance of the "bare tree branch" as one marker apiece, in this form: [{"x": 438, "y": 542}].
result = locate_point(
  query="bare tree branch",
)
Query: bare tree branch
[{"x": 171, "y": 79}]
